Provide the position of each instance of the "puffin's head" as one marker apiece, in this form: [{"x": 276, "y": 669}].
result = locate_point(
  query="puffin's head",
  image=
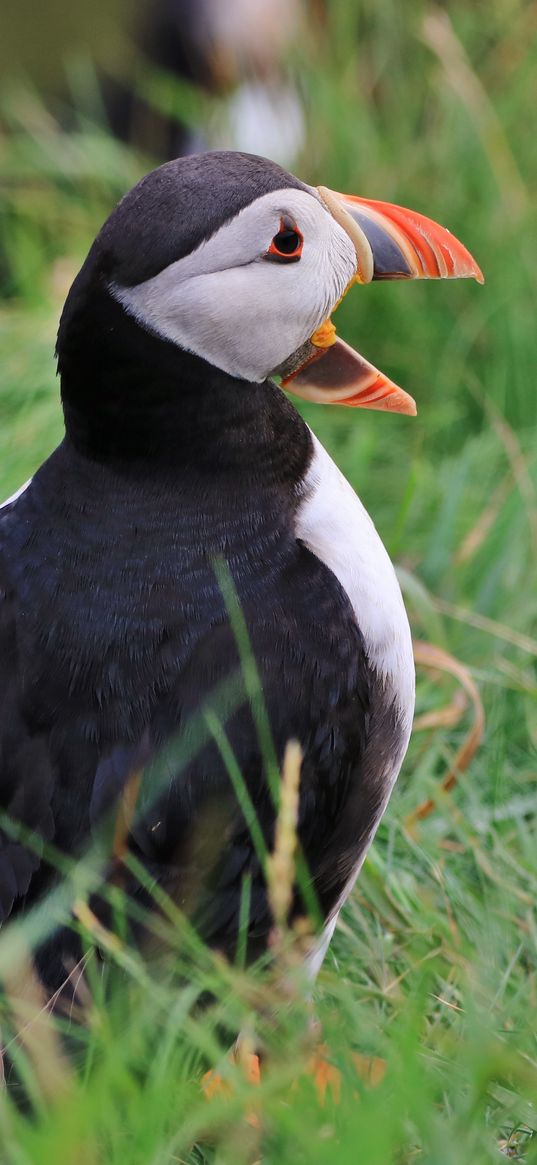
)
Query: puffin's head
[{"x": 231, "y": 258}]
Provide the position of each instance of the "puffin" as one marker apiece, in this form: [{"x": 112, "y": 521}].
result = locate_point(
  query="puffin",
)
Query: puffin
[{"x": 190, "y": 532}]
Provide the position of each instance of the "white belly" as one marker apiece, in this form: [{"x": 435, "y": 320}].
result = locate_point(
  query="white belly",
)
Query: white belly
[{"x": 332, "y": 522}]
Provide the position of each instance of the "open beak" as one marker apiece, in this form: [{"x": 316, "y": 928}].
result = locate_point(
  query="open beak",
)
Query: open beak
[{"x": 391, "y": 242}]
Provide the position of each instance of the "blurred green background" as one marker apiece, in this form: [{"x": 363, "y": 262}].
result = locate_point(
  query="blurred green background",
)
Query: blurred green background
[{"x": 434, "y": 967}]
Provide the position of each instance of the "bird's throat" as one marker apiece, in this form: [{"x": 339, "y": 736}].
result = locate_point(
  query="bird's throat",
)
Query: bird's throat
[{"x": 131, "y": 397}]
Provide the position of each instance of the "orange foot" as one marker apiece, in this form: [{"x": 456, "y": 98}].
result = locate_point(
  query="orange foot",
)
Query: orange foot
[
  {"x": 214, "y": 1084},
  {"x": 326, "y": 1077}
]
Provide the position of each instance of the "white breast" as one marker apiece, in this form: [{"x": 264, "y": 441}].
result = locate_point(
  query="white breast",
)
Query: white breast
[{"x": 333, "y": 524}]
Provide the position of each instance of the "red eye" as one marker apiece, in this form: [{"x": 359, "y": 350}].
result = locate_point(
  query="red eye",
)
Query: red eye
[{"x": 286, "y": 246}]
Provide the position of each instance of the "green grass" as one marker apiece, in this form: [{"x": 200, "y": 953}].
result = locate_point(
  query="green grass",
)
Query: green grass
[{"x": 434, "y": 965}]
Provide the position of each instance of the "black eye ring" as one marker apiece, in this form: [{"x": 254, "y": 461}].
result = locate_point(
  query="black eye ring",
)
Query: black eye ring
[{"x": 286, "y": 246}]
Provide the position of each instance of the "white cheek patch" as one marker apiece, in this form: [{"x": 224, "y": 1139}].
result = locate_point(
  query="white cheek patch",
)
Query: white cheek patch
[{"x": 243, "y": 313}]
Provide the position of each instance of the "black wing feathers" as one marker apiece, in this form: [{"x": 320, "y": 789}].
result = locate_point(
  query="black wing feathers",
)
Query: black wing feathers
[
  {"x": 26, "y": 772},
  {"x": 114, "y": 644}
]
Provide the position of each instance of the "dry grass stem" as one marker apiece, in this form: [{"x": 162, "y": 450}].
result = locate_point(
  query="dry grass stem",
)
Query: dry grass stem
[
  {"x": 485, "y": 522},
  {"x": 488, "y": 626},
  {"x": 281, "y": 863},
  {"x": 447, "y": 717},
  {"x": 517, "y": 460},
  {"x": 125, "y": 814},
  {"x": 100, "y": 934},
  {"x": 35, "y": 1031},
  {"x": 436, "y": 659},
  {"x": 439, "y": 34}
]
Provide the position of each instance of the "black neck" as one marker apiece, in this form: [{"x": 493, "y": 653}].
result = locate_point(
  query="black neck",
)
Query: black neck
[{"x": 132, "y": 398}]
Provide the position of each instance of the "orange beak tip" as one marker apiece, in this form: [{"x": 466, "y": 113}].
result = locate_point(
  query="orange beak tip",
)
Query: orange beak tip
[
  {"x": 399, "y": 401},
  {"x": 338, "y": 375},
  {"x": 412, "y": 409}
]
